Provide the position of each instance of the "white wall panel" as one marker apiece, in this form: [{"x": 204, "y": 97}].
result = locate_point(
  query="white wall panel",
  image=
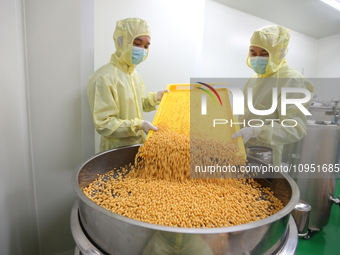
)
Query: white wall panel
[
  {"x": 18, "y": 222},
  {"x": 302, "y": 54},
  {"x": 328, "y": 58},
  {"x": 227, "y": 34},
  {"x": 61, "y": 125},
  {"x": 328, "y": 68}
]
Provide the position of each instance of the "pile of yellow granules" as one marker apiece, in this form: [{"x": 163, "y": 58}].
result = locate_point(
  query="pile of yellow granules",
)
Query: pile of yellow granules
[{"x": 158, "y": 189}]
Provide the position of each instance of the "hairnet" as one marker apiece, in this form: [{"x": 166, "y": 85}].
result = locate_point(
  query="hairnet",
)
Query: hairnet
[
  {"x": 274, "y": 39},
  {"x": 127, "y": 30}
]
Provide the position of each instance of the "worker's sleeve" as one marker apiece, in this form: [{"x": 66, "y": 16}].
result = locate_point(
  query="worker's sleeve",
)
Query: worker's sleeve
[
  {"x": 103, "y": 99},
  {"x": 290, "y": 127},
  {"x": 150, "y": 102}
]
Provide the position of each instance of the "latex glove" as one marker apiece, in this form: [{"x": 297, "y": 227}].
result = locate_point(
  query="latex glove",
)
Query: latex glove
[
  {"x": 146, "y": 126},
  {"x": 246, "y": 133},
  {"x": 160, "y": 94}
]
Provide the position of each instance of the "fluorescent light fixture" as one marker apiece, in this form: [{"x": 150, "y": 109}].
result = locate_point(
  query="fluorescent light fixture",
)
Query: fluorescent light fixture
[{"x": 334, "y": 3}]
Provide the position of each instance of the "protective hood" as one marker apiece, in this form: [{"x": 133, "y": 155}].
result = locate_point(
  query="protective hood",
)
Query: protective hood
[
  {"x": 126, "y": 31},
  {"x": 274, "y": 39}
]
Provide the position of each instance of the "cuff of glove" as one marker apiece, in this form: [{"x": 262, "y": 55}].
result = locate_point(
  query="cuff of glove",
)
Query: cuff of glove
[{"x": 153, "y": 97}]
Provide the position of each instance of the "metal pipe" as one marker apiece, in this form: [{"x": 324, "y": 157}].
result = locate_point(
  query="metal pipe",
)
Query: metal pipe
[{"x": 335, "y": 201}]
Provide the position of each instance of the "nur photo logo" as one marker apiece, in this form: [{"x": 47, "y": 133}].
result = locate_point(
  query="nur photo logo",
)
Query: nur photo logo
[
  {"x": 204, "y": 97},
  {"x": 238, "y": 103}
]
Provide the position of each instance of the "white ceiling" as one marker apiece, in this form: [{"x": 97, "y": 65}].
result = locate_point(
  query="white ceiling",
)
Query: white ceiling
[{"x": 310, "y": 17}]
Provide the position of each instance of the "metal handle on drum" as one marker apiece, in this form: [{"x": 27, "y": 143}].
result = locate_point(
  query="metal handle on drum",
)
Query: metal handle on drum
[{"x": 335, "y": 201}]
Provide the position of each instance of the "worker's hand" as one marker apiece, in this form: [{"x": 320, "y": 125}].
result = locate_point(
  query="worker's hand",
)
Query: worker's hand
[
  {"x": 160, "y": 94},
  {"x": 146, "y": 126},
  {"x": 246, "y": 133}
]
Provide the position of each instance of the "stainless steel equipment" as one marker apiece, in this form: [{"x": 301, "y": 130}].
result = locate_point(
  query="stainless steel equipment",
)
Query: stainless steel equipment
[
  {"x": 86, "y": 246},
  {"x": 324, "y": 111},
  {"x": 318, "y": 150},
  {"x": 301, "y": 214},
  {"x": 263, "y": 153},
  {"x": 335, "y": 112},
  {"x": 111, "y": 233}
]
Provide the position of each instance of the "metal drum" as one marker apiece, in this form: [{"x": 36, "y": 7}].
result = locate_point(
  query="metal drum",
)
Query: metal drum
[
  {"x": 110, "y": 233},
  {"x": 86, "y": 246},
  {"x": 319, "y": 150}
]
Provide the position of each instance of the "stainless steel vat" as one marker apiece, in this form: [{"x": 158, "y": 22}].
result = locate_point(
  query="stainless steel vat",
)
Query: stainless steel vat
[
  {"x": 115, "y": 234},
  {"x": 319, "y": 149},
  {"x": 84, "y": 246}
]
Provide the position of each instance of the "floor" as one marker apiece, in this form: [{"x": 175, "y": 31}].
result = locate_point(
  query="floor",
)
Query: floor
[{"x": 327, "y": 241}]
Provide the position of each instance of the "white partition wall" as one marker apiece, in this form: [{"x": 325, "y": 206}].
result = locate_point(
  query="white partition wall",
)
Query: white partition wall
[
  {"x": 327, "y": 58},
  {"x": 18, "y": 215},
  {"x": 46, "y": 59}
]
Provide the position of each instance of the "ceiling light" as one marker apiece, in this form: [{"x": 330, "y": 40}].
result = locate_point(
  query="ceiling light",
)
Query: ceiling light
[{"x": 334, "y": 3}]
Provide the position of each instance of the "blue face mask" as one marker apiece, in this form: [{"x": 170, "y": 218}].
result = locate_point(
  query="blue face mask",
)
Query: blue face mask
[
  {"x": 259, "y": 64},
  {"x": 138, "y": 55}
]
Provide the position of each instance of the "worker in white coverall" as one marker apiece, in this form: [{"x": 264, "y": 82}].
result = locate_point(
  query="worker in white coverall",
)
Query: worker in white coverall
[
  {"x": 268, "y": 47},
  {"x": 116, "y": 92}
]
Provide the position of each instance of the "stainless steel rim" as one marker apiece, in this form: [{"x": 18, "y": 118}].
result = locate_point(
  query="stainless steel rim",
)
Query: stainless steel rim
[
  {"x": 84, "y": 245},
  {"x": 82, "y": 242}
]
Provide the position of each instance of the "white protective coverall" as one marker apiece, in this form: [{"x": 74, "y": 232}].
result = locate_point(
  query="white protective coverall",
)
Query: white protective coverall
[
  {"x": 274, "y": 39},
  {"x": 116, "y": 91}
]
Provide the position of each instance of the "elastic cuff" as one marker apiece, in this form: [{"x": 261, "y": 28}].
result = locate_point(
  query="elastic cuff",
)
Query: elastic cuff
[
  {"x": 138, "y": 124},
  {"x": 153, "y": 98}
]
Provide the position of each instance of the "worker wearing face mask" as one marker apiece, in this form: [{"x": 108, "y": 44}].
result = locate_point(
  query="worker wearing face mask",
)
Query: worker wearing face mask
[
  {"x": 116, "y": 92},
  {"x": 268, "y": 47}
]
